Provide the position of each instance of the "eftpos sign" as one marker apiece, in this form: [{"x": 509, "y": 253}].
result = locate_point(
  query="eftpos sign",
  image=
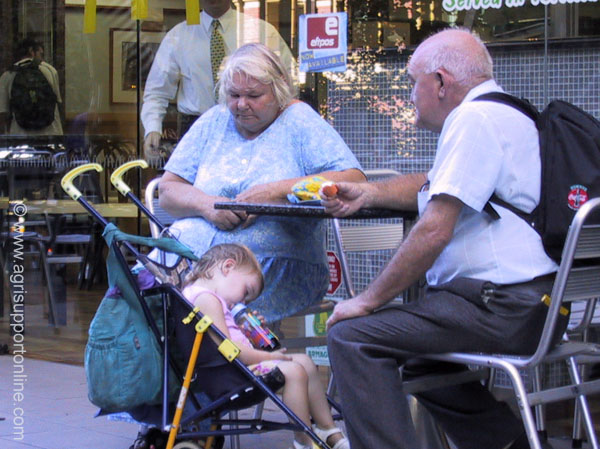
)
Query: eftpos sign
[{"x": 323, "y": 42}]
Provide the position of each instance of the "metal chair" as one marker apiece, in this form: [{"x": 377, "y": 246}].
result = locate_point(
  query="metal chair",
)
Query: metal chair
[
  {"x": 584, "y": 317},
  {"x": 151, "y": 202},
  {"x": 578, "y": 279}
]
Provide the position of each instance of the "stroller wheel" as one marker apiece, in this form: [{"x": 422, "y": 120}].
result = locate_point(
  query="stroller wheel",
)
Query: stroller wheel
[
  {"x": 186, "y": 445},
  {"x": 152, "y": 438}
]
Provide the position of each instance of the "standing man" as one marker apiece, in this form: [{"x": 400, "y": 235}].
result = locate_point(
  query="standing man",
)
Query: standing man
[
  {"x": 485, "y": 278},
  {"x": 187, "y": 65},
  {"x": 18, "y": 115}
]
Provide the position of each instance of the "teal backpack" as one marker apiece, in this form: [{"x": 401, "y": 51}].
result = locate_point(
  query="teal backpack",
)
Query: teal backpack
[{"x": 123, "y": 358}]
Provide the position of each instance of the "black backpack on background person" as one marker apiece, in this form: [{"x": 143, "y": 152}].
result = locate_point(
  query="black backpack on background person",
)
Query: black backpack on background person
[
  {"x": 32, "y": 100},
  {"x": 570, "y": 156}
]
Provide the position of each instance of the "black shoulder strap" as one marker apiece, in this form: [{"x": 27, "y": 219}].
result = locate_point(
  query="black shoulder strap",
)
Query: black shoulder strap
[
  {"x": 525, "y": 107},
  {"x": 520, "y": 104},
  {"x": 25, "y": 65}
]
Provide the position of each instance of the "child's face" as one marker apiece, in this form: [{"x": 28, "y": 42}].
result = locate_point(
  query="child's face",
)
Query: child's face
[{"x": 240, "y": 285}]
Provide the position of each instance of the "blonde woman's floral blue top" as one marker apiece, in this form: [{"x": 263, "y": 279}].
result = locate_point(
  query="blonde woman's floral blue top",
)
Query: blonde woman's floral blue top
[{"x": 215, "y": 158}]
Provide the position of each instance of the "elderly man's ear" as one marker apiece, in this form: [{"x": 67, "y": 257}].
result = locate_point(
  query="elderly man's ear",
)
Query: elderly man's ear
[{"x": 442, "y": 77}]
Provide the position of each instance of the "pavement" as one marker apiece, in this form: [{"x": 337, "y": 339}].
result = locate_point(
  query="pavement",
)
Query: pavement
[{"x": 44, "y": 405}]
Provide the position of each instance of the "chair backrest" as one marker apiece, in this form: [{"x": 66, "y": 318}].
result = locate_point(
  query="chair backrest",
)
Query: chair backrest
[
  {"x": 578, "y": 277},
  {"x": 151, "y": 202},
  {"x": 369, "y": 236}
]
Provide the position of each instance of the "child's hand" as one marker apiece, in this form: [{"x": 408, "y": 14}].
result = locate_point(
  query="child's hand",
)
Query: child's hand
[
  {"x": 280, "y": 354},
  {"x": 259, "y": 317}
]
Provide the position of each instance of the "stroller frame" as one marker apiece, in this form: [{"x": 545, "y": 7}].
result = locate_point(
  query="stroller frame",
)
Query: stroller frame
[{"x": 168, "y": 280}]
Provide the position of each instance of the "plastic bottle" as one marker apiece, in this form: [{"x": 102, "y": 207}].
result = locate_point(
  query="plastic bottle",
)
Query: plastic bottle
[{"x": 260, "y": 336}]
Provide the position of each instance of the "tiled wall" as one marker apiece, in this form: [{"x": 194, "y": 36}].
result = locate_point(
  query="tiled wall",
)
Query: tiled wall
[{"x": 370, "y": 108}]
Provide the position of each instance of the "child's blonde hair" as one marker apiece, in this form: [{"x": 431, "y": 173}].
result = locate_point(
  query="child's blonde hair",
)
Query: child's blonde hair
[{"x": 241, "y": 254}]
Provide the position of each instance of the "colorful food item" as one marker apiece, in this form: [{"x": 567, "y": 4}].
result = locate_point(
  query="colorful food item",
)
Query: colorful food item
[
  {"x": 308, "y": 189},
  {"x": 328, "y": 188}
]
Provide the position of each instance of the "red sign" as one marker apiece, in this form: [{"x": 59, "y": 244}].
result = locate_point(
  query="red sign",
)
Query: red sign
[
  {"x": 322, "y": 32},
  {"x": 335, "y": 272}
]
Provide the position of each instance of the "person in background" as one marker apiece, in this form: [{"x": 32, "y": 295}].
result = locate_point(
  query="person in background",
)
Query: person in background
[
  {"x": 28, "y": 51},
  {"x": 253, "y": 147},
  {"x": 485, "y": 277},
  {"x": 229, "y": 274},
  {"x": 187, "y": 65}
]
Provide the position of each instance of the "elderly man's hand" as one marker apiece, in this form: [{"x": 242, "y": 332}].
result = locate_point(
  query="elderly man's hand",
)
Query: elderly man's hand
[
  {"x": 350, "y": 197},
  {"x": 350, "y": 308},
  {"x": 152, "y": 145}
]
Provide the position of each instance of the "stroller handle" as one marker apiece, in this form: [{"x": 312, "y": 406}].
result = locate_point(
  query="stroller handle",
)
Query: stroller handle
[
  {"x": 67, "y": 181},
  {"x": 117, "y": 177}
]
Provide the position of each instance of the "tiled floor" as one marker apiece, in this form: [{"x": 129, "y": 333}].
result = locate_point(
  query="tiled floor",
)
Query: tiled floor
[{"x": 51, "y": 401}]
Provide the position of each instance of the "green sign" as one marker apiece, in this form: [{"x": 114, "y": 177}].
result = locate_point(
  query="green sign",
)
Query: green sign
[{"x": 461, "y": 5}]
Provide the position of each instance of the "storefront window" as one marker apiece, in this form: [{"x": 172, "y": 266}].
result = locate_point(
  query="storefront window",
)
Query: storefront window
[{"x": 542, "y": 49}]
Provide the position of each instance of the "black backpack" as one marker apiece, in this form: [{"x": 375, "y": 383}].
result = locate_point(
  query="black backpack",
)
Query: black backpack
[
  {"x": 570, "y": 156},
  {"x": 32, "y": 100}
]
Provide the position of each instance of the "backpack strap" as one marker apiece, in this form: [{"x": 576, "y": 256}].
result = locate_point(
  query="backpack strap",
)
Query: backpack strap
[
  {"x": 520, "y": 104},
  {"x": 525, "y": 107},
  {"x": 25, "y": 65}
]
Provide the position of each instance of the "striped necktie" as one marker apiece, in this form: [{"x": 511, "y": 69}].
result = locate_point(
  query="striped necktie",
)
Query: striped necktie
[{"x": 217, "y": 49}]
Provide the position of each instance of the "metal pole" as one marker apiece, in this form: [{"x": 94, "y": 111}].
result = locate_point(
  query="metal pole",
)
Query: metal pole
[{"x": 546, "y": 93}]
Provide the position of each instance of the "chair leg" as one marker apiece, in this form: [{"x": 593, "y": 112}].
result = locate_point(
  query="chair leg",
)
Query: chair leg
[
  {"x": 523, "y": 405},
  {"x": 234, "y": 439},
  {"x": 258, "y": 411},
  {"x": 584, "y": 409},
  {"x": 84, "y": 269},
  {"x": 53, "y": 318},
  {"x": 540, "y": 409}
]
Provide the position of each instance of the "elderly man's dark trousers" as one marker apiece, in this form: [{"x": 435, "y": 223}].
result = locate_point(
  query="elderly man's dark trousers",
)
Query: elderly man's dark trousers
[{"x": 464, "y": 315}]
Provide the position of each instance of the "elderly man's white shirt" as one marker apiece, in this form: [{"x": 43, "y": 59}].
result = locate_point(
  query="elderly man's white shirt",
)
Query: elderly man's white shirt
[
  {"x": 182, "y": 64},
  {"x": 487, "y": 147}
]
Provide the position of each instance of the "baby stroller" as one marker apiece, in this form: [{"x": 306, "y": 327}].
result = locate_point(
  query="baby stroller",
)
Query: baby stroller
[{"x": 144, "y": 334}]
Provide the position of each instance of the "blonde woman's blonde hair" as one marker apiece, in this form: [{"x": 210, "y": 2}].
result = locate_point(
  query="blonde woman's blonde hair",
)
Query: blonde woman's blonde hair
[
  {"x": 259, "y": 62},
  {"x": 211, "y": 259}
]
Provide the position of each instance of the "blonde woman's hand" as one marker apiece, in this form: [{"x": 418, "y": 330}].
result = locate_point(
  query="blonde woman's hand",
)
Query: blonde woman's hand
[{"x": 225, "y": 220}]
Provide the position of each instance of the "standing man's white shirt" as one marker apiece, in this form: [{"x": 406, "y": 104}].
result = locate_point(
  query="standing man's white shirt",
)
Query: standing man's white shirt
[
  {"x": 487, "y": 147},
  {"x": 183, "y": 60}
]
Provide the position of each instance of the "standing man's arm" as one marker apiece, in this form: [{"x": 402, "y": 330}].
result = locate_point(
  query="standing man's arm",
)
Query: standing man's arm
[
  {"x": 161, "y": 87},
  {"x": 415, "y": 255}
]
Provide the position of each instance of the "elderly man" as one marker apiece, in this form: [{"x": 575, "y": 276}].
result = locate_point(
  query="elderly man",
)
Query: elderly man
[
  {"x": 485, "y": 277},
  {"x": 187, "y": 65}
]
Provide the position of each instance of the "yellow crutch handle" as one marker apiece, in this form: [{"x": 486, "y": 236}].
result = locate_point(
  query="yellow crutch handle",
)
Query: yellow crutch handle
[
  {"x": 67, "y": 181},
  {"x": 117, "y": 177}
]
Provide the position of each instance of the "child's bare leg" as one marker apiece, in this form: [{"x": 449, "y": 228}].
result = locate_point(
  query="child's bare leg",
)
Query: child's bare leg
[
  {"x": 295, "y": 394},
  {"x": 317, "y": 399}
]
